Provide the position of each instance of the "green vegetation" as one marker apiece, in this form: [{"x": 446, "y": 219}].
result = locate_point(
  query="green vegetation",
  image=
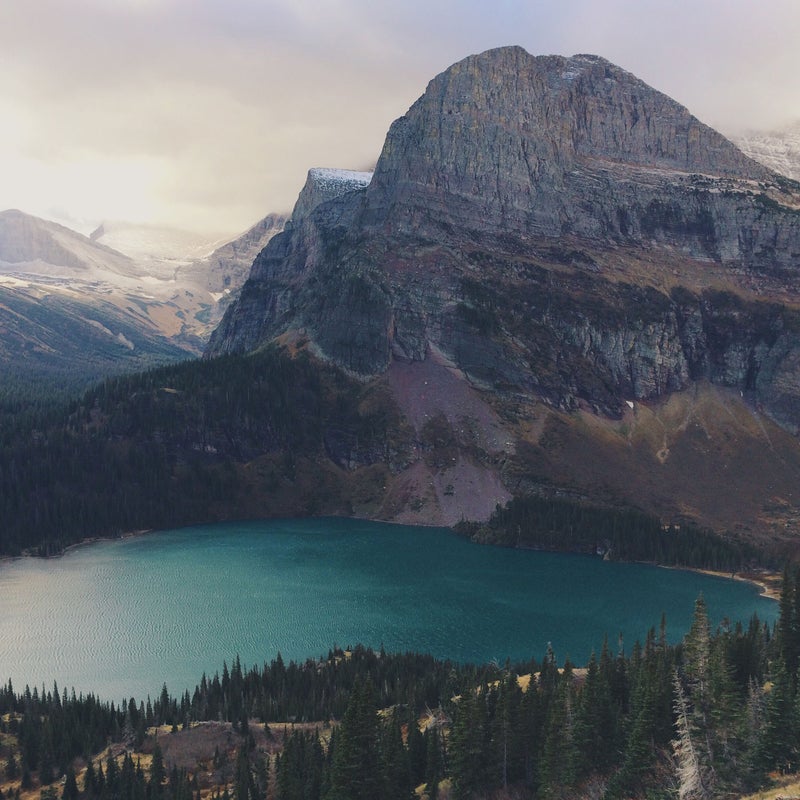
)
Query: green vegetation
[
  {"x": 264, "y": 435},
  {"x": 711, "y": 717},
  {"x": 621, "y": 534},
  {"x": 197, "y": 441}
]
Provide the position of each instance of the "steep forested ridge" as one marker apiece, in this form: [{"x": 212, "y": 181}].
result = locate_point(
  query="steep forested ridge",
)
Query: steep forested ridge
[
  {"x": 263, "y": 435},
  {"x": 193, "y": 442}
]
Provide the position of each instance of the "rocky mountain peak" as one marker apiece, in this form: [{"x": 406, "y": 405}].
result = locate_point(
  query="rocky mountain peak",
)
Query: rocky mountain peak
[
  {"x": 513, "y": 139},
  {"x": 516, "y": 211},
  {"x": 323, "y": 184},
  {"x": 549, "y": 254}
]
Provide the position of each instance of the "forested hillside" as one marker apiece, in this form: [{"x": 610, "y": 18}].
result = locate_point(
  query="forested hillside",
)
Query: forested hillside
[
  {"x": 620, "y": 534},
  {"x": 267, "y": 435},
  {"x": 712, "y": 717},
  {"x": 166, "y": 447}
]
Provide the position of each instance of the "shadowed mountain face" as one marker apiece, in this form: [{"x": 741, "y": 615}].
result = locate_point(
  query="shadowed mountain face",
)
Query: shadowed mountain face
[{"x": 572, "y": 248}]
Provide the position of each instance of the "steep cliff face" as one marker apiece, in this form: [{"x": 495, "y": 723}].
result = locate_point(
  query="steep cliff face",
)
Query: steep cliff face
[
  {"x": 272, "y": 299},
  {"x": 556, "y": 233},
  {"x": 504, "y": 141}
]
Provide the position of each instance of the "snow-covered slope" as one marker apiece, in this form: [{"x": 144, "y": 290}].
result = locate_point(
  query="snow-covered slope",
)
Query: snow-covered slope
[
  {"x": 36, "y": 246},
  {"x": 72, "y": 301},
  {"x": 778, "y": 150},
  {"x": 156, "y": 244},
  {"x": 223, "y": 272}
]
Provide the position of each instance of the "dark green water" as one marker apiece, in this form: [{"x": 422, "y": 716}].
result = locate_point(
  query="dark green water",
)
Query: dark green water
[{"x": 121, "y": 618}]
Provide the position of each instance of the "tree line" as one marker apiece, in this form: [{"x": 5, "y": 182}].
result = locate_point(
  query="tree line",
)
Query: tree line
[
  {"x": 709, "y": 717},
  {"x": 552, "y": 523}
]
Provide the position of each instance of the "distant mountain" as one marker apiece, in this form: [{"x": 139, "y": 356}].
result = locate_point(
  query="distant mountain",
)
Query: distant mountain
[
  {"x": 778, "y": 150},
  {"x": 223, "y": 272},
  {"x": 63, "y": 338},
  {"x": 75, "y": 308},
  {"x": 152, "y": 243},
  {"x": 35, "y": 246}
]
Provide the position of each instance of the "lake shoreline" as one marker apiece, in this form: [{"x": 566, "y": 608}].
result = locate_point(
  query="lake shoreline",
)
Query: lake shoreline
[
  {"x": 123, "y": 619},
  {"x": 7, "y": 559},
  {"x": 767, "y": 581}
]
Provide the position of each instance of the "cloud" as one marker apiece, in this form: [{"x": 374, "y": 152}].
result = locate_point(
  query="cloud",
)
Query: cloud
[{"x": 209, "y": 113}]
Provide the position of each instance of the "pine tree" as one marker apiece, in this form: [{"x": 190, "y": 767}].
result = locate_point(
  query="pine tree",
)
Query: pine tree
[
  {"x": 467, "y": 746},
  {"x": 90, "y": 788},
  {"x": 507, "y": 734},
  {"x": 559, "y": 756},
  {"x": 395, "y": 769},
  {"x": 694, "y": 782},
  {"x": 788, "y": 640},
  {"x": 70, "y": 791},
  {"x": 417, "y": 750},
  {"x": 157, "y": 772},
  {"x": 694, "y": 746},
  {"x": 755, "y": 713},
  {"x": 433, "y": 763},
  {"x": 778, "y": 747},
  {"x": 244, "y": 782},
  {"x": 355, "y": 771}
]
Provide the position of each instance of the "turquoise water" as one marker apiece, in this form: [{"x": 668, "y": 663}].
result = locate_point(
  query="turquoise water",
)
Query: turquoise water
[{"x": 121, "y": 618}]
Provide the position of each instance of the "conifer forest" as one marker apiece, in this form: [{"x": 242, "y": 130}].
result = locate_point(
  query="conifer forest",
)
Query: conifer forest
[{"x": 717, "y": 715}]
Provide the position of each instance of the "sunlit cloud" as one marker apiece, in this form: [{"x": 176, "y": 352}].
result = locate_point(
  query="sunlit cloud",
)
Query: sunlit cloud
[{"x": 203, "y": 113}]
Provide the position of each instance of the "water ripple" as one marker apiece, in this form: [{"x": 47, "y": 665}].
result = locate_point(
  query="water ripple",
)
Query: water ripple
[{"x": 121, "y": 618}]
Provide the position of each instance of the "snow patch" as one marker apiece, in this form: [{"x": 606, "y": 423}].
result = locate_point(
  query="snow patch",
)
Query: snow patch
[
  {"x": 778, "y": 150},
  {"x": 337, "y": 177},
  {"x": 118, "y": 337},
  {"x": 125, "y": 341}
]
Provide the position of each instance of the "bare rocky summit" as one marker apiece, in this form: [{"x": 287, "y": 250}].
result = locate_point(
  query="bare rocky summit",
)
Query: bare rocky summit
[{"x": 575, "y": 247}]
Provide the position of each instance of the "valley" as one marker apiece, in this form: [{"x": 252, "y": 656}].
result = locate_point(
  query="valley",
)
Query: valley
[{"x": 75, "y": 310}]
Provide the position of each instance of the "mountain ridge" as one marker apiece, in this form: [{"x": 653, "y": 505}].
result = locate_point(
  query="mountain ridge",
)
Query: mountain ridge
[
  {"x": 425, "y": 368},
  {"x": 568, "y": 246},
  {"x": 74, "y": 310}
]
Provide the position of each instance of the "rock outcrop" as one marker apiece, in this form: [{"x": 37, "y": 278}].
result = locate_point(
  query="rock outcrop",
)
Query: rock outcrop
[
  {"x": 559, "y": 233},
  {"x": 550, "y": 146},
  {"x": 550, "y": 165}
]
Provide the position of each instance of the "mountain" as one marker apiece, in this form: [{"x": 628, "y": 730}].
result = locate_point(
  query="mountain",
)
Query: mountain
[
  {"x": 779, "y": 150},
  {"x": 222, "y": 272},
  {"x": 75, "y": 309},
  {"x": 567, "y": 286},
  {"x": 35, "y": 246}
]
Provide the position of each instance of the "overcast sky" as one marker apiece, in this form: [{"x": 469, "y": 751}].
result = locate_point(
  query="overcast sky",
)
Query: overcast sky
[{"x": 207, "y": 114}]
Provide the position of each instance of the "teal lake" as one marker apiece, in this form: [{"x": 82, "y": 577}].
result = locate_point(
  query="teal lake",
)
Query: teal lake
[{"x": 120, "y": 618}]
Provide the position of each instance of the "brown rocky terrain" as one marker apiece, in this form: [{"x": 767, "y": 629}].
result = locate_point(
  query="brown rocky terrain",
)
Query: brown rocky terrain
[{"x": 610, "y": 283}]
